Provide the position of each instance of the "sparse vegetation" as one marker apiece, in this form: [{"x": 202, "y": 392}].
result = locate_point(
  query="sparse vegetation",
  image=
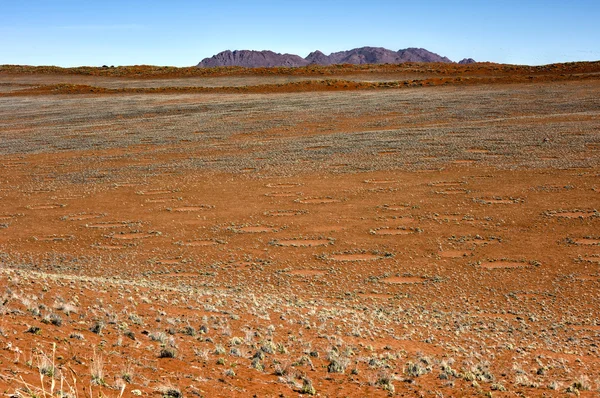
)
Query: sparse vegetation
[{"x": 383, "y": 241}]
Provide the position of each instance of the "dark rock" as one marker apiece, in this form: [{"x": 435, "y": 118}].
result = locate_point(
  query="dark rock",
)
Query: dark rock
[
  {"x": 356, "y": 56},
  {"x": 252, "y": 59},
  {"x": 318, "y": 58}
]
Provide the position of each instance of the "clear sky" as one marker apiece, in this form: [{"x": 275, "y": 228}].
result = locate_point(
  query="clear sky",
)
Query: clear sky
[{"x": 182, "y": 33}]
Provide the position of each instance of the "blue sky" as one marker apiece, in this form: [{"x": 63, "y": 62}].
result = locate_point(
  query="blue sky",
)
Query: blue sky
[{"x": 181, "y": 33}]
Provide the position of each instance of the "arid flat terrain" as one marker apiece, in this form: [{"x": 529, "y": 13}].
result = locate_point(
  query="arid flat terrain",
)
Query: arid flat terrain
[{"x": 424, "y": 230}]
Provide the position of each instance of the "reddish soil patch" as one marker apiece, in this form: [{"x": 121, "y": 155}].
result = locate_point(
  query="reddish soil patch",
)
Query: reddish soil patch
[
  {"x": 168, "y": 262},
  {"x": 243, "y": 315},
  {"x": 354, "y": 257},
  {"x": 307, "y": 272},
  {"x": 504, "y": 264},
  {"x": 403, "y": 279},
  {"x": 453, "y": 254},
  {"x": 326, "y": 228},
  {"x": 375, "y": 296},
  {"x": 200, "y": 243}
]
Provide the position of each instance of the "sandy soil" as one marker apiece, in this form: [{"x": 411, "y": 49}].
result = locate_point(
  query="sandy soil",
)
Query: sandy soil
[{"x": 419, "y": 241}]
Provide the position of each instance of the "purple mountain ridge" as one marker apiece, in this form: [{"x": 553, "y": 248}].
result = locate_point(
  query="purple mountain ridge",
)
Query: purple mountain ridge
[{"x": 356, "y": 56}]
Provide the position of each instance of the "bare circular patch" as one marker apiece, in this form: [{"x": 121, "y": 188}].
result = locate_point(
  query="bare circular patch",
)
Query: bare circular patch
[
  {"x": 355, "y": 257},
  {"x": 375, "y": 295},
  {"x": 449, "y": 217},
  {"x": 504, "y": 264},
  {"x": 168, "y": 262},
  {"x": 307, "y": 272},
  {"x": 403, "y": 279},
  {"x": 303, "y": 242},
  {"x": 453, "y": 254},
  {"x": 201, "y": 243},
  {"x": 327, "y": 228}
]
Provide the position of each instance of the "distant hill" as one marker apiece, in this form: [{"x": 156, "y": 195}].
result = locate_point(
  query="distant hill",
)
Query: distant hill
[{"x": 356, "y": 56}]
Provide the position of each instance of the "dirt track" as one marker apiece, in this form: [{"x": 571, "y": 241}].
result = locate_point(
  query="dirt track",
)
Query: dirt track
[{"x": 420, "y": 240}]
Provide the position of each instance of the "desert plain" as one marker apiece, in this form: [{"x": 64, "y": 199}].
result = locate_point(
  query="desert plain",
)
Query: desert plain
[{"x": 425, "y": 230}]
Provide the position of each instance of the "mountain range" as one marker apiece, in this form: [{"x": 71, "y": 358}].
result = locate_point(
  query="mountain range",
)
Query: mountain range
[{"x": 357, "y": 56}]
